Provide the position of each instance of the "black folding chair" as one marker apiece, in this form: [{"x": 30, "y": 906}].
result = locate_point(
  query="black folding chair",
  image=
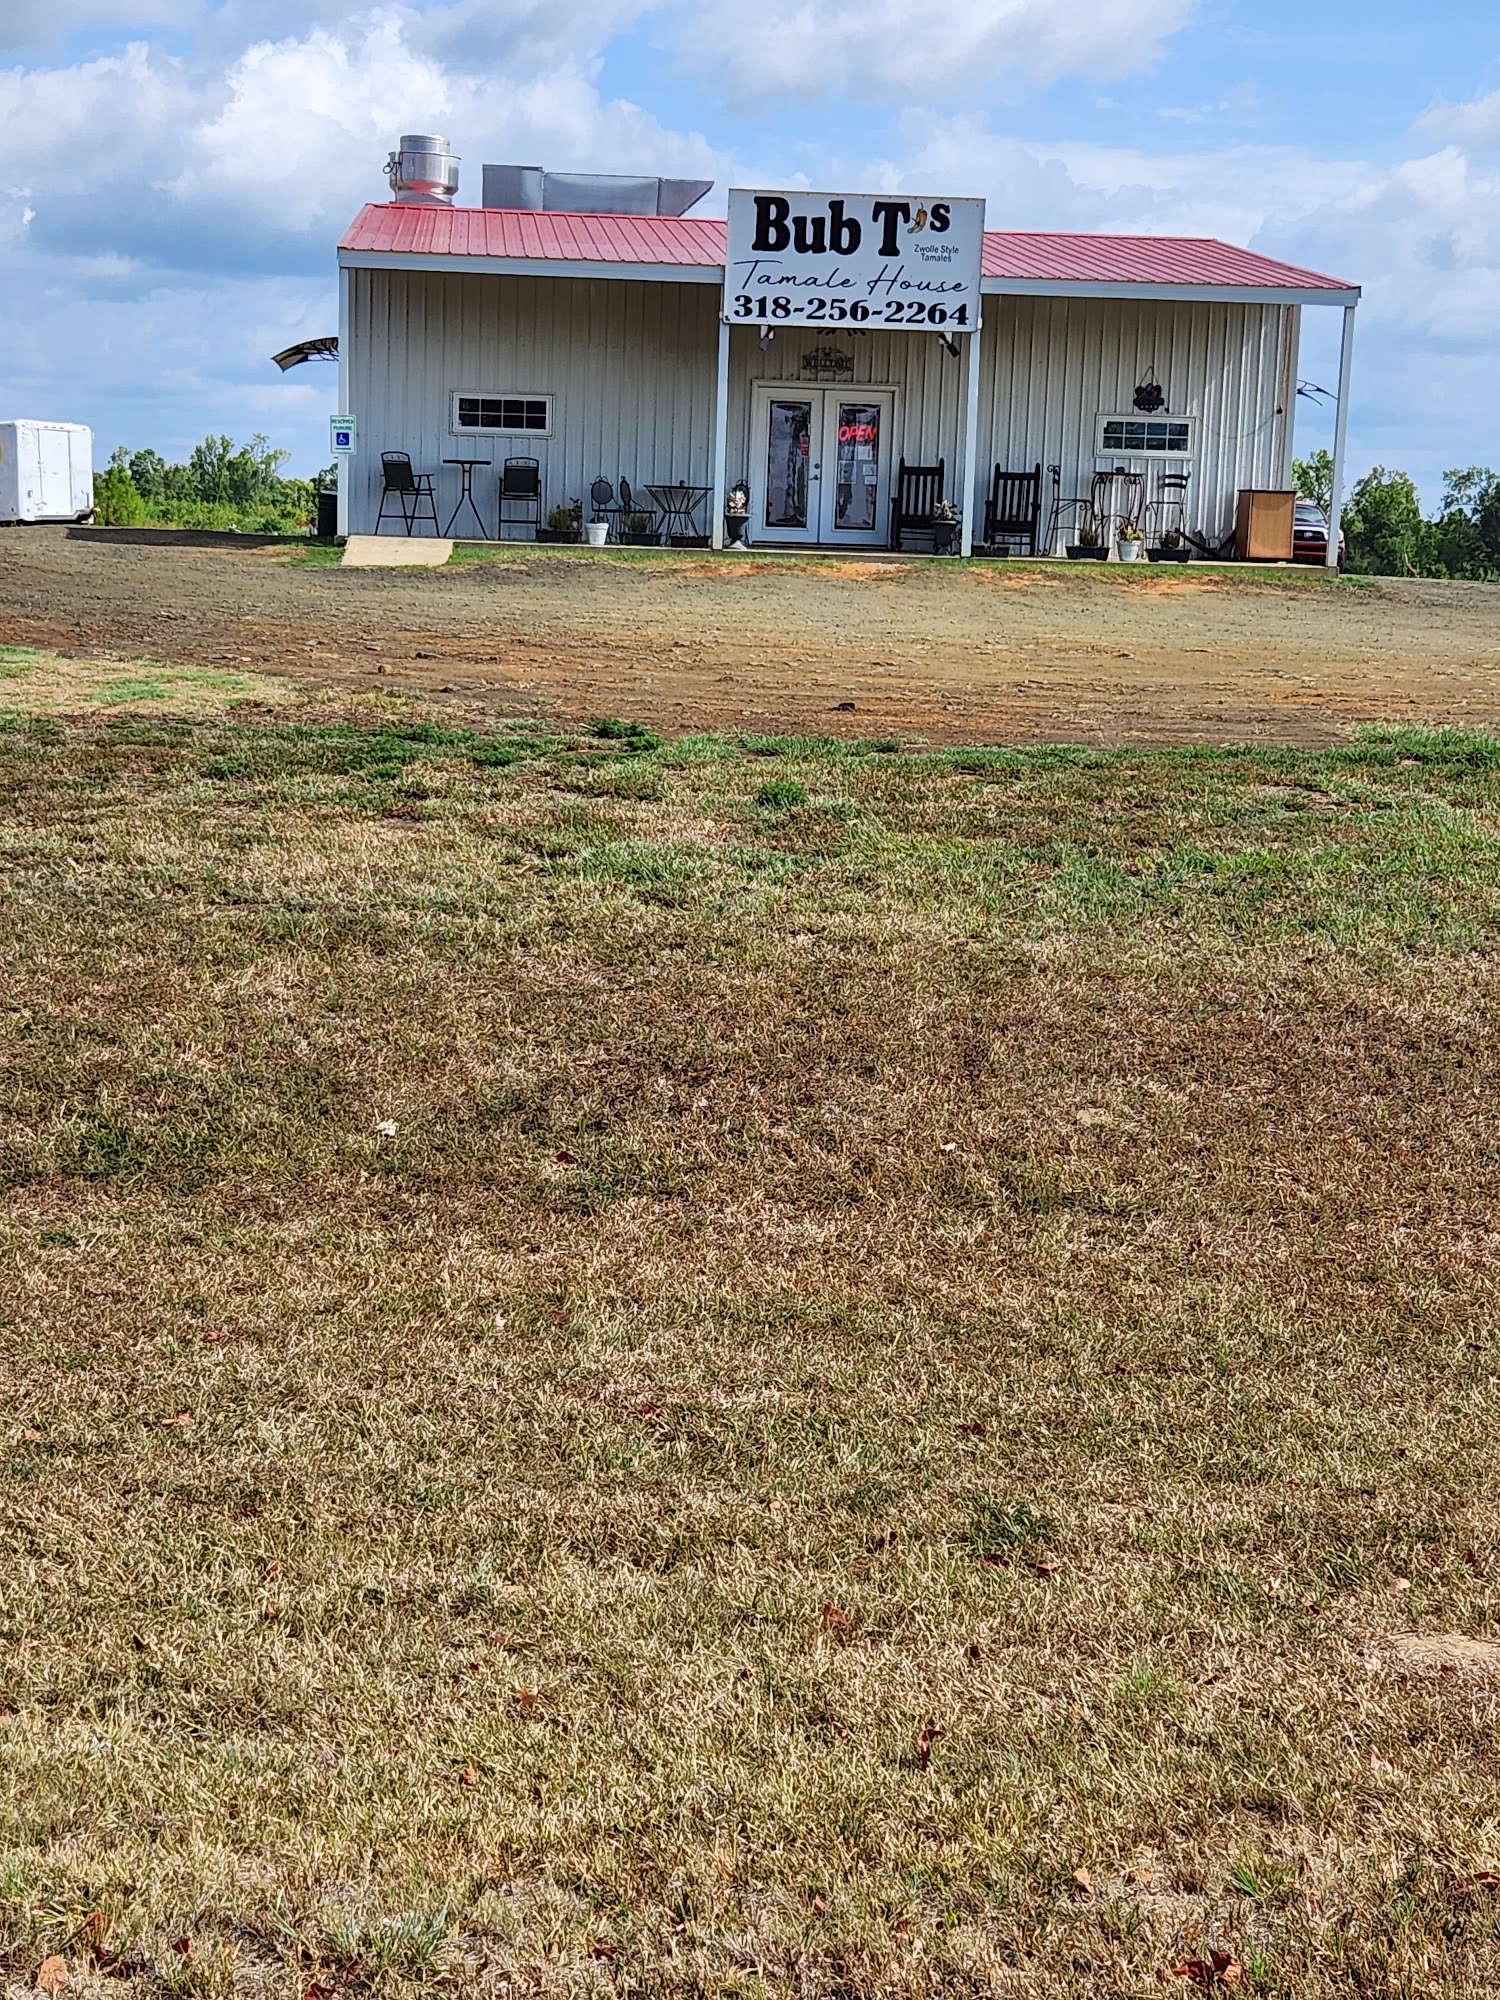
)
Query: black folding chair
[
  {"x": 919, "y": 488},
  {"x": 412, "y": 491},
  {"x": 520, "y": 486},
  {"x": 1013, "y": 511},
  {"x": 1168, "y": 510}
]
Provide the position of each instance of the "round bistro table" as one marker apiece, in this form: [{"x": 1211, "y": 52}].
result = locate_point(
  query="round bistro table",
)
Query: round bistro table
[
  {"x": 467, "y": 467},
  {"x": 678, "y": 502}
]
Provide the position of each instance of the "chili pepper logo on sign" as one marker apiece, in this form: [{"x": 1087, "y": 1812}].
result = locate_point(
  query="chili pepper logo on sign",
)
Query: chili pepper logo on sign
[{"x": 849, "y": 260}]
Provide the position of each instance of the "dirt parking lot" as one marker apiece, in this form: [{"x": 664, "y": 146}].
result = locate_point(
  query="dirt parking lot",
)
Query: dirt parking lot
[{"x": 997, "y": 651}]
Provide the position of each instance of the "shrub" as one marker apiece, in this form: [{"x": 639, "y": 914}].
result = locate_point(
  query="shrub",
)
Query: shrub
[
  {"x": 632, "y": 735},
  {"x": 781, "y": 795},
  {"x": 117, "y": 503}
]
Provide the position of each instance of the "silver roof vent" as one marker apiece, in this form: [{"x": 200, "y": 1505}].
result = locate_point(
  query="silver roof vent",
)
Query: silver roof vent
[
  {"x": 423, "y": 171},
  {"x": 589, "y": 194}
]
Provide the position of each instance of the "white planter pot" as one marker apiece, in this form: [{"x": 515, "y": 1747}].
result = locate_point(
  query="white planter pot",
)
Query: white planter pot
[
  {"x": 598, "y": 533},
  {"x": 1131, "y": 551}
]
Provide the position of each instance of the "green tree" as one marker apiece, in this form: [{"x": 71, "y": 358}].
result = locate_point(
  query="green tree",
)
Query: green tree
[
  {"x": 148, "y": 472},
  {"x": 1464, "y": 540},
  {"x": 223, "y": 486},
  {"x": 1313, "y": 478},
  {"x": 240, "y": 477},
  {"x": 1383, "y": 525},
  {"x": 117, "y": 504}
]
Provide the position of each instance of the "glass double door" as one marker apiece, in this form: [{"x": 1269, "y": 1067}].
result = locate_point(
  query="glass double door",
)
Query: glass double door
[{"x": 822, "y": 456}]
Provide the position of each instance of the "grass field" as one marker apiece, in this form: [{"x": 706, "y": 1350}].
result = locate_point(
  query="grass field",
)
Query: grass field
[{"x": 744, "y": 1366}]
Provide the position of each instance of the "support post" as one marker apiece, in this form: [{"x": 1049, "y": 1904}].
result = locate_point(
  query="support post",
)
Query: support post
[
  {"x": 721, "y": 435},
  {"x": 1340, "y": 438},
  {"x": 1291, "y": 368},
  {"x": 971, "y": 434},
  {"x": 345, "y": 479}
]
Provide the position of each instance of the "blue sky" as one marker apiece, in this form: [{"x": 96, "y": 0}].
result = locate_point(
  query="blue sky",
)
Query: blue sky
[{"x": 176, "y": 171}]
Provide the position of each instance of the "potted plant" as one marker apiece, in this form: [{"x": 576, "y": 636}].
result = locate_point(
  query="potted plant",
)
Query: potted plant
[
  {"x": 1132, "y": 542},
  {"x": 598, "y": 531},
  {"x": 562, "y": 523},
  {"x": 736, "y": 515},
  {"x": 1171, "y": 548},
  {"x": 944, "y": 528},
  {"x": 1091, "y": 545},
  {"x": 637, "y": 531}
]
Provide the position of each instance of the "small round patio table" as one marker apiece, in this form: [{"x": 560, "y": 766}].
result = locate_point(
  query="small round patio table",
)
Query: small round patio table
[
  {"x": 467, "y": 467},
  {"x": 679, "y": 503}
]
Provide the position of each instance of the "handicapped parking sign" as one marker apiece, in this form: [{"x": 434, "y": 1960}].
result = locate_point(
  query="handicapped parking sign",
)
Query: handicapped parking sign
[{"x": 343, "y": 435}]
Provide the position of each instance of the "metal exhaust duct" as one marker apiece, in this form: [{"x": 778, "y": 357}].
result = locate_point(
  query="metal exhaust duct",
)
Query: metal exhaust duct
[
  {"x": 589, "y": 194},
  {"x": 422, "y": 171}
]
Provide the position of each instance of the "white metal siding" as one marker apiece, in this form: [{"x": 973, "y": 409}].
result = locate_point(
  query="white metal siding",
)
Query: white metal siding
[
  {"x": 1051, "y": 365},
  {"x": 630, "y": 366}
]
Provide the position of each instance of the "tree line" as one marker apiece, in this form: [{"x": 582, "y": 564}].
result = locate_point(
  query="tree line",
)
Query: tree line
[
  {"x": 1387, "y": 534},
  {"x": 222, "y": 486}
]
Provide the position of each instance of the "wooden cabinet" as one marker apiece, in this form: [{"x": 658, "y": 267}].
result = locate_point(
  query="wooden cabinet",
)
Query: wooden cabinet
[{"x": 1263, "y": 526}]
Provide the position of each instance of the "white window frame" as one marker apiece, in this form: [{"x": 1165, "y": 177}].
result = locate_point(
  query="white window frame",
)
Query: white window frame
[
  {"x": 1103, "y": 450},
  {"x": 455, "y": 429}
]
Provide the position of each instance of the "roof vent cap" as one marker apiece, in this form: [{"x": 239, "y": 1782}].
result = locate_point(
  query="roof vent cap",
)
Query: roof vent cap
[{"x": 422, "y": 171}]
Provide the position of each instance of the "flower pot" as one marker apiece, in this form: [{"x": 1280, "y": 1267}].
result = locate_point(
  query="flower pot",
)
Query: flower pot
[
  {"x": 1131, "y": 551},
  {"x": 557, "y": 535},
  {"x": 734, "y": 530},
  {"x": 1168, "y": 555},
  {"x": 1087, "y": 552},
  {"x": 944, "y": 537},
  {"x": 598, "y": 533},
  {"x": 639, "y": 541}
]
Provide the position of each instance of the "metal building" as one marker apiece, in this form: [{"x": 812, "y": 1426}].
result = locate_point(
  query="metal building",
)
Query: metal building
[{"x": 605, "y": 344}]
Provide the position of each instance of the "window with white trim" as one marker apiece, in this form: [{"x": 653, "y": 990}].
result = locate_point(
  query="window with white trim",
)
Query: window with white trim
[
  {"x": 508, "y": 415},
  {"x": 1134, "y": 436}
]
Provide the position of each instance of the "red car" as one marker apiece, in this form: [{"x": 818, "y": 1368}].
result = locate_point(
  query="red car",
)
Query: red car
[{"x": 1310, "y": 535}]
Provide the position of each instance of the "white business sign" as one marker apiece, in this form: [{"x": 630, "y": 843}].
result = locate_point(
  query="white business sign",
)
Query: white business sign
[
  {"x": 343, "y": 436},
  {"x": 853, "y": 259}
]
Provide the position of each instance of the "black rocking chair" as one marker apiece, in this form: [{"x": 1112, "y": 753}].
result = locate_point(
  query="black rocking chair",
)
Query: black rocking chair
[
  {"x": 1013, "y": 511},
  {"x": 914, "y": 505},
  {"x": 412, "y": 491},
  {"x": 520, "y": 486}
]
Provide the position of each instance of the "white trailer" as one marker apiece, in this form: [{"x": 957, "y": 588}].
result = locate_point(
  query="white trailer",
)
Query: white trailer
[{"x": 46, "y": 471}]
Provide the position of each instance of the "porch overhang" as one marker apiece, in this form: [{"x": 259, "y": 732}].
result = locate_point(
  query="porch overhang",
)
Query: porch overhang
[
  {"x": 1146, "y": 294},
  {"x": 713, "y": 274}
]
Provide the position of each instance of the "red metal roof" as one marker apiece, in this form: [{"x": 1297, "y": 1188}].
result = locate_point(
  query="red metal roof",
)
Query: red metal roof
[
  {"x": 396, "y": 229},
  {"x": 1141, "y": 260}
]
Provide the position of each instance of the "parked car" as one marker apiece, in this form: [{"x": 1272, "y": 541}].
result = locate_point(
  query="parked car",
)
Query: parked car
[{"x": 1310, "y": 535}]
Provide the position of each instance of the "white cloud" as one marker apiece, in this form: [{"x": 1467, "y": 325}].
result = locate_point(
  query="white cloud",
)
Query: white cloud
[
  {"x": 1475, "y": 123},
  {"x": 906, "y": 48},
  {"x": 268, "y": 159}
]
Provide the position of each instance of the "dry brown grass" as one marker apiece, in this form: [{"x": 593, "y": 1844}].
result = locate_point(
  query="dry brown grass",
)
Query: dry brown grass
[{"x": 612, "y": 1390}]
